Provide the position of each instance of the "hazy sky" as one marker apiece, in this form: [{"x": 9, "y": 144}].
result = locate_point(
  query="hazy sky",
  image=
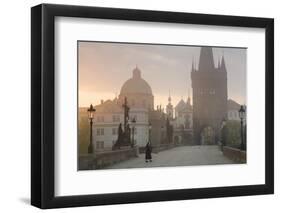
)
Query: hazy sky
[{"x": 104, "y": 67}]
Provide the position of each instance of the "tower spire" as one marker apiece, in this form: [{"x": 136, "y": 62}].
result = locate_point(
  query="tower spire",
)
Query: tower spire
[
  {"x": 169, "y": 98},
  {"x": 188, "y": 98},
  {"x": 223, "y": 67},
  {"x": 206, "y": 60},
  {"x": 169, "y": 107},
  {"x": 136, "y": 72}
]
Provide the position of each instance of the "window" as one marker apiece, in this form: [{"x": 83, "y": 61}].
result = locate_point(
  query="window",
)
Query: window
[
  {"x": 100, "y": 145},
  {"x": 212, "y": 91},
  {"x": 116, "y": 118},
  {"x": 100, "y": 131},
  {"x": 114, "y": 131}
]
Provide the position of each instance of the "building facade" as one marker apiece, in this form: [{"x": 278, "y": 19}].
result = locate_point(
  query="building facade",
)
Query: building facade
[
  {"x": 233, "y": 110},
  {"x": 182, "y": 123},
  {"x": 109, "y": 114}
]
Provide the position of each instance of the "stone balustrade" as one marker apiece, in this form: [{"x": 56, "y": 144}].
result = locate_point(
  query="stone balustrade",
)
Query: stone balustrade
[
  {"x": 101, "y": 160},
  {"x": 235, "y": 154}
]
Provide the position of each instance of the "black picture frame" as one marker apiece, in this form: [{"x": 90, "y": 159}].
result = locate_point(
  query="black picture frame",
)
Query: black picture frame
[{"x": 43, "y": 105}]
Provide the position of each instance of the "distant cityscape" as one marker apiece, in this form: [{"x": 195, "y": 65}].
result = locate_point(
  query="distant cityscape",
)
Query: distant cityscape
[{"x": 130, "y": 124}]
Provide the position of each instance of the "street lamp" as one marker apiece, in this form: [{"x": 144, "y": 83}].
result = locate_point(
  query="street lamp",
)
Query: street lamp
[
  {"x": 133, "y": 131},
  {"x": 162, "y": 135},
  {"x": 222, "y": 138},
  {"x": 91, "y": 111},
  {"x": 242, "y": 117}
]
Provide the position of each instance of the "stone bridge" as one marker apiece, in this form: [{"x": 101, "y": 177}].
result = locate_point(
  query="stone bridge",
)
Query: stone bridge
[{"x": 179, "y": 156}]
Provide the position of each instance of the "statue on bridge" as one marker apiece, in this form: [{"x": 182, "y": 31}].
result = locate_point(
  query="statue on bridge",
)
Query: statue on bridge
[{"x": 124, "y": 137}]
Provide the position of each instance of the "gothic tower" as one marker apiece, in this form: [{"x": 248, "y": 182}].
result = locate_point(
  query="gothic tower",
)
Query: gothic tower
[
  {"x": 169, "y": 108},
  {"x": 209, "y": 84}
]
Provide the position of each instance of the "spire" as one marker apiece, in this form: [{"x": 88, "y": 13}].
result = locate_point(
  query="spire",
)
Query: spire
[
  {"x": 223, "y": 67},
  {"x": 192, "y": 67},
  {"x": 206, "y": 61},
  {"x": 136, "y": 72},
  {"x": 188, "y": 98},
  {"x": 169, "y": 99},
  {"x": 219, "y": 64}
]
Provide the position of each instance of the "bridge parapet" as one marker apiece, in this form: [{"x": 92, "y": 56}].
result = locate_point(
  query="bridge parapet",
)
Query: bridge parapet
[
  {"x": 103, "y": 159},
  {"x": 235, "y": 154}
]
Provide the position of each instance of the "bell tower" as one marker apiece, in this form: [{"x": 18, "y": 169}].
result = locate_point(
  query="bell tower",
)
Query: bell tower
[{"x": 170, "y": 108}]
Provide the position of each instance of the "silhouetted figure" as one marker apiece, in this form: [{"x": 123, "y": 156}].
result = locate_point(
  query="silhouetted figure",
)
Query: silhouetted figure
[{"x": 148, "y": 150}]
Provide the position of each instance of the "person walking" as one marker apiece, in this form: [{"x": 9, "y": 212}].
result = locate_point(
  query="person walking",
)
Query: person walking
[{"x": 148, "y": 150}]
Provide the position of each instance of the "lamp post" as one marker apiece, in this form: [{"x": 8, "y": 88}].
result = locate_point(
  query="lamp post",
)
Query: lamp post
[
  {"x": 162, "y": 135},
  {"x": 223, "y": 122},
  {"x": 242, "y": 117},
  {"x": 91, "y": 111},
  {"x": 133, "y": 131}
]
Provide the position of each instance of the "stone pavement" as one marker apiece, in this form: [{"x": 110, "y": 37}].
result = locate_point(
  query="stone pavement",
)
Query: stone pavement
[{"x": 178, "y": 156}]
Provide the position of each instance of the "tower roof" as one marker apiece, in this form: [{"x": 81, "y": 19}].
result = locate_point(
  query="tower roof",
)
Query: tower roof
[
  {"x": 223, "y": 67},
  {"x": 206, "y": 61}
]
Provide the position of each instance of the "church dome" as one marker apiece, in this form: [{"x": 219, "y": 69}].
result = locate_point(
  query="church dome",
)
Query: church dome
[{"x": 136, "y": 85}]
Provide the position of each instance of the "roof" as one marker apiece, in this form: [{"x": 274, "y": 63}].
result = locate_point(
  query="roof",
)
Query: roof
[
  {"x": 232, "y": 105},
  {"x": 108, "y": 106},
  {"x": 206, "y": 60},
  {"x": 136, "y": 85},
  {"x": 180, "y": 105}
]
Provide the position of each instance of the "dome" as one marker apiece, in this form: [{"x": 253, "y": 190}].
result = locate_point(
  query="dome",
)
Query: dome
[{"x": 136, "y": 85}]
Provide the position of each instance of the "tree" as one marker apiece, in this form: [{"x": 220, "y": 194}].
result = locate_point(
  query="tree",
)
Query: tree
[
  {"x": 83, "y": 131},
  {"x": 231, "y": 134}
]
